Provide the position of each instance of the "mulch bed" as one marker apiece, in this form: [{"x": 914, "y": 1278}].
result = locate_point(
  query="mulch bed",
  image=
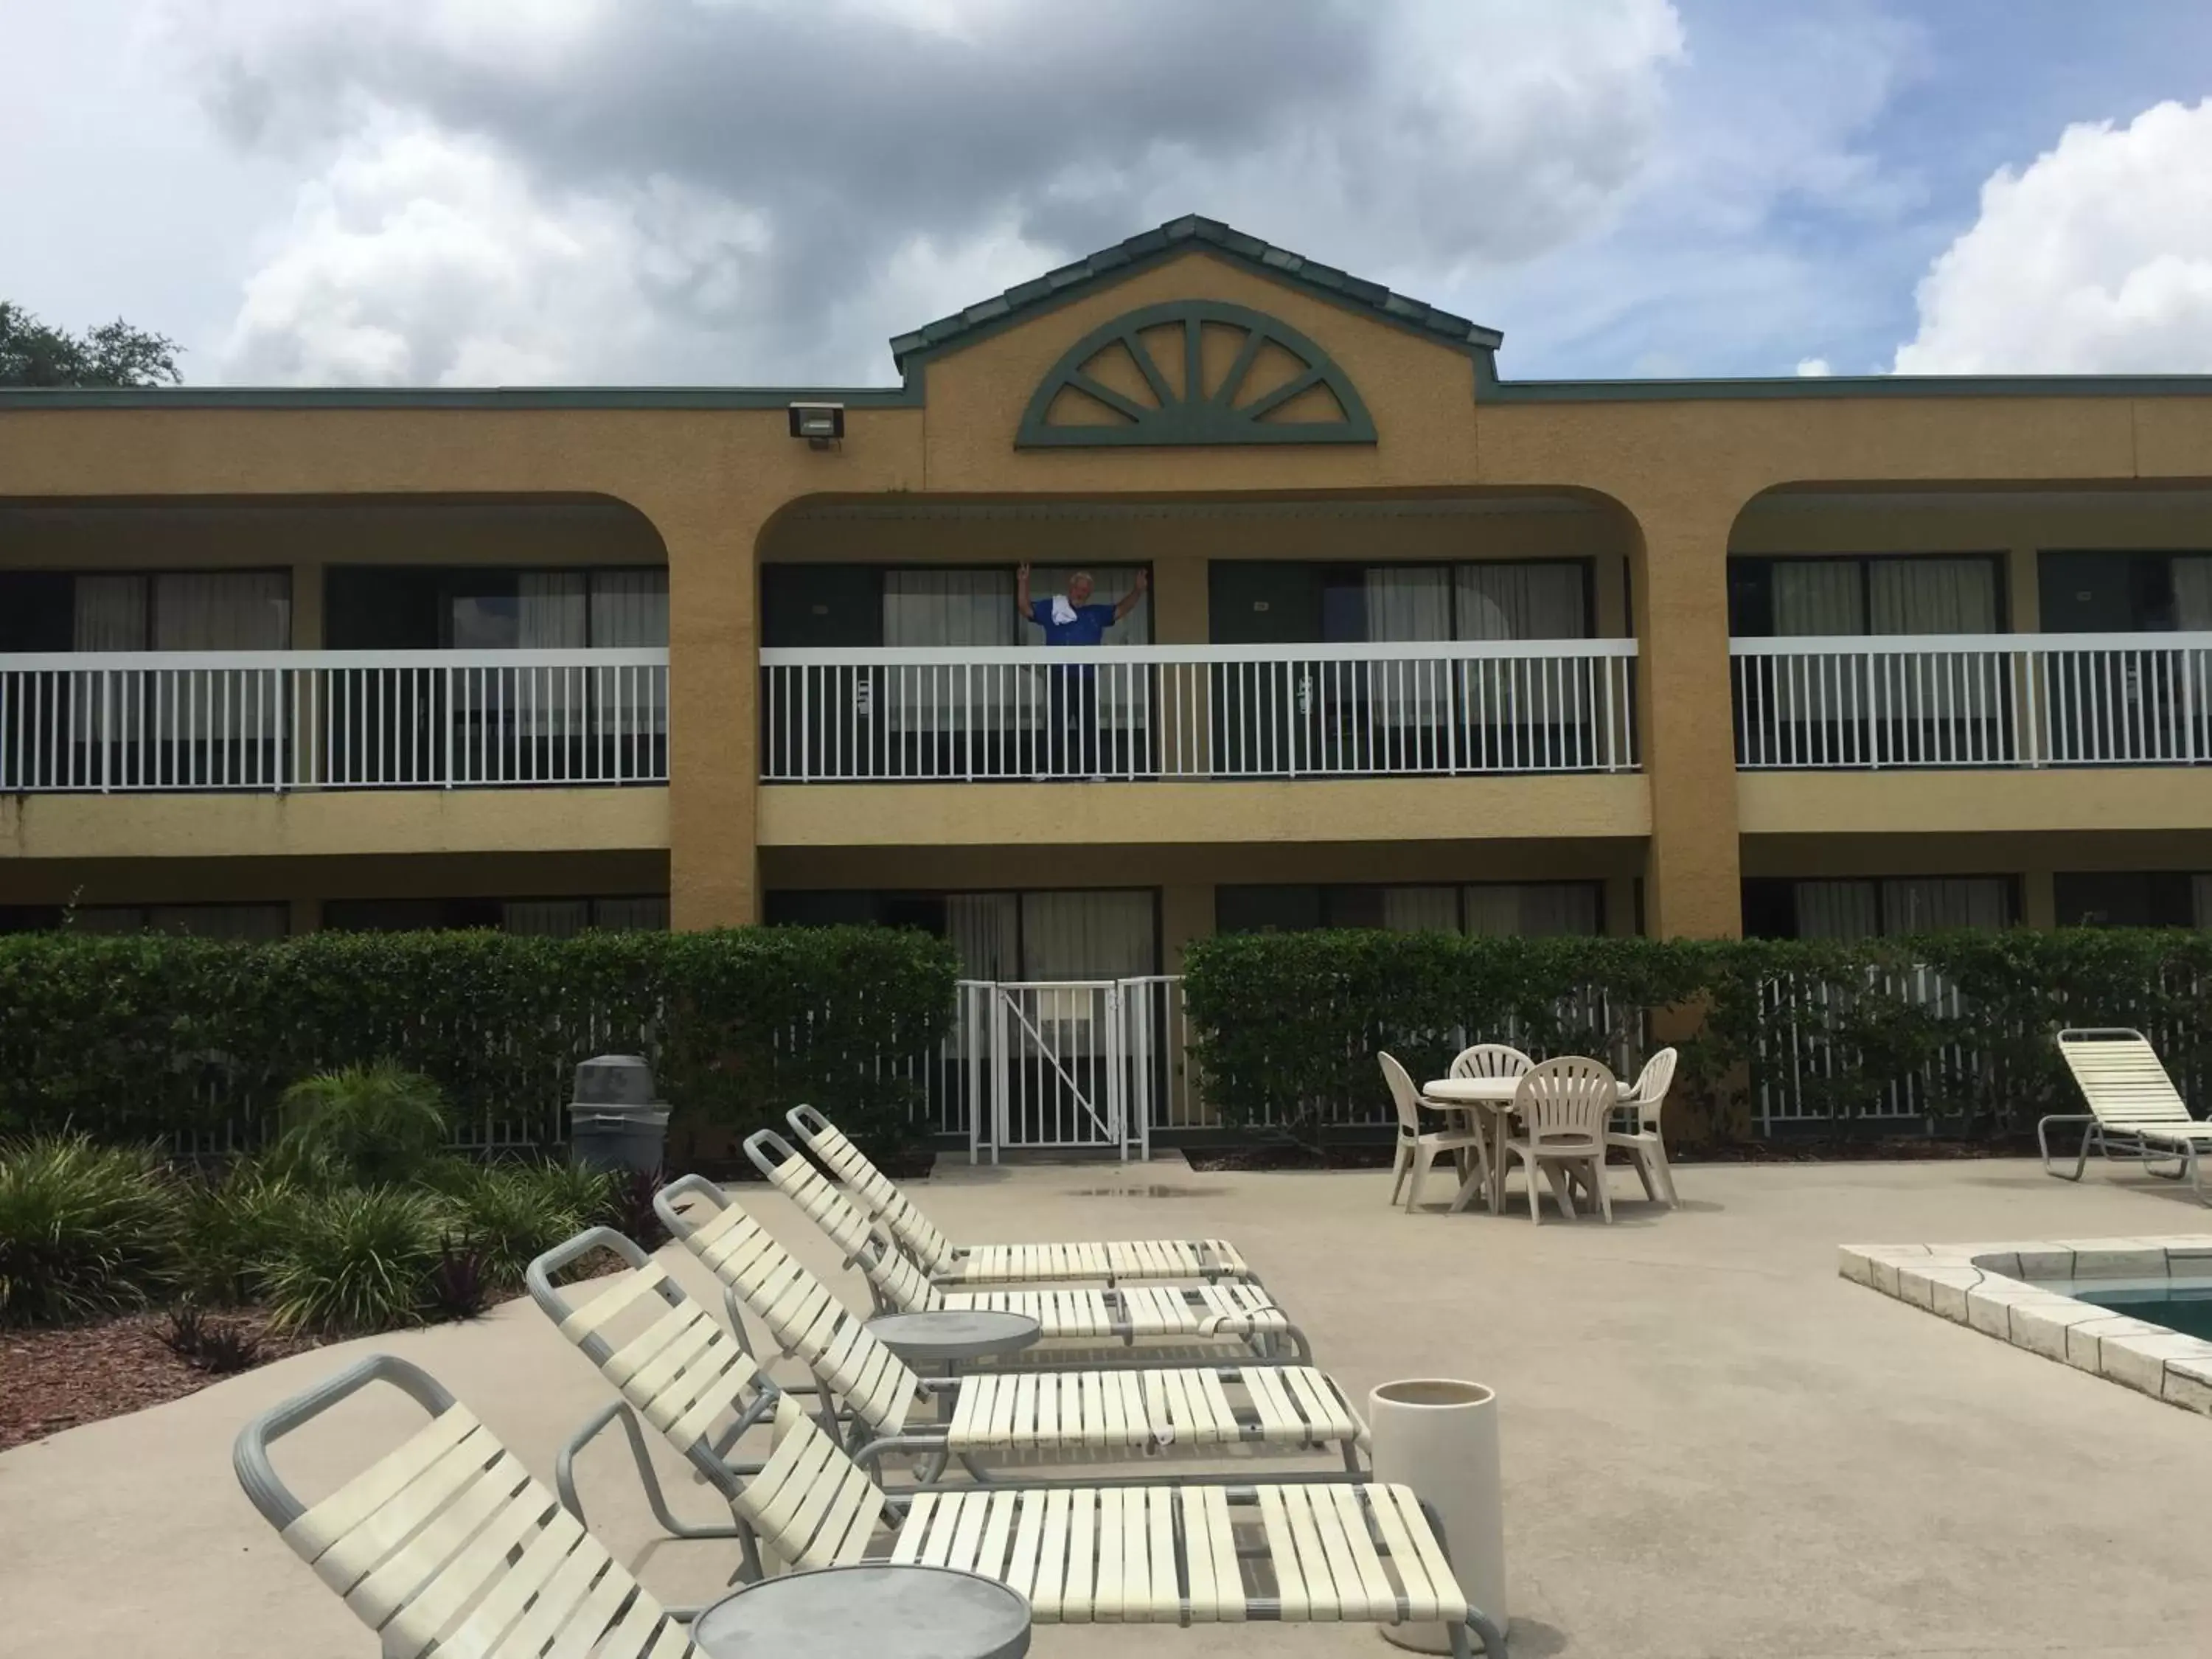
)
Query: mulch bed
[{"x": 52, "y": 1380}]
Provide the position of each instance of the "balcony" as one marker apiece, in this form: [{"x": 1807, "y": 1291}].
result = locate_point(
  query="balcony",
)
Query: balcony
[
  {"x": 1871, "y": 703},
  {"x": 1192, "y": 713},
  {"x": 277, "y": 721}
]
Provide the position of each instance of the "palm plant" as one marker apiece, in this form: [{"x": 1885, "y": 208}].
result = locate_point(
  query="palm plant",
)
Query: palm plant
[{"x": 362, "y": 1124}]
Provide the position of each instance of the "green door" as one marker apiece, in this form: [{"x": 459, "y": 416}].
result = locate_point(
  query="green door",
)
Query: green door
[{"x": 1264, "y": 713}]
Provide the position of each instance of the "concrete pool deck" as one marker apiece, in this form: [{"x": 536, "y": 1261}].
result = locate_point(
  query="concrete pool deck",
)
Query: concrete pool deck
[{"x": 1713, "y": 1444}]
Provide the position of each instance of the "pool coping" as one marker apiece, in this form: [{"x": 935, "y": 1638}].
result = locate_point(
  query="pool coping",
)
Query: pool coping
[{"x": 1991, "y": 1288}]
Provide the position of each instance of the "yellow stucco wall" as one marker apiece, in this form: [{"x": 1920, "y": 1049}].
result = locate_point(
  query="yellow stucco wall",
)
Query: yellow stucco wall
[{"x": 1670, "y": 479}]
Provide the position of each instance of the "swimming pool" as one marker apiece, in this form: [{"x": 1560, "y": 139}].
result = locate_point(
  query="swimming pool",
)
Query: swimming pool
[
  {"x": 2135, "y": 1311},
  {"x": 2179, "y": 1304}
]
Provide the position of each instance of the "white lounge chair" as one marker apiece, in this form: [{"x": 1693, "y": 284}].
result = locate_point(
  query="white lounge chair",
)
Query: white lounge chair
[
  {"x": 2135, "y": 1111},
  {"x": 1288, "y": 1547},
  {"x": 1418, "y": 1148},
  {"x": 1645, "y": 1143},
  {"x": 446, "y": 1547},
  {"x": 1088, "y": 1414},
  {"x": 1564, "y": 1105},
  {"x": 1239, "y": 1315},
  {"x": 1110, "y": 1260}
]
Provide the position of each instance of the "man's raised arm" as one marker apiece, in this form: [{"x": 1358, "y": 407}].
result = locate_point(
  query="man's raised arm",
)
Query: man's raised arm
[
  {"x": 1022, "y": 590},
  {"x": 1129, "y": 599}
]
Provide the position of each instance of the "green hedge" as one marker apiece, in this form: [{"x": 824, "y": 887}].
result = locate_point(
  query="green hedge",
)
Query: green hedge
[
  {"x": 1953, "y": 1029},
  {"x": 182, "y": 1040}
]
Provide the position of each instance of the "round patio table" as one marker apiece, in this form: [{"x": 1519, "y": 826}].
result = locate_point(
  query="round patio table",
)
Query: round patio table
[
  {"x": 1489, "y": 1102},
  {"x": 946, "y": 1336},
  {"x": 867, "y": 1611}
]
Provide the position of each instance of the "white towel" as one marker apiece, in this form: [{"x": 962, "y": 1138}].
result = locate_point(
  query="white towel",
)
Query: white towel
[{"x": 1062, "y": 612}]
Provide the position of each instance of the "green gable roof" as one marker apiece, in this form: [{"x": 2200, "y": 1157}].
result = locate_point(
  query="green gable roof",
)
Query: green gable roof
[{"x": 1182, "y": 236}]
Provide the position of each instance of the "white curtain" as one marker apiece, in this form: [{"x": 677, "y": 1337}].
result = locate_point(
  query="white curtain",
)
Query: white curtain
[
  {"x": 1406, "y": 604},
  {"x": 1837, "y": 909},
  {"x": 1932, "y": 596},
  {"x": 2193, "y": 594},
  {"x": 221, "y": 611},
  {"x": 629, "y": 608},
  {"x": 985, "y": 928},
  {"x": 1932, "y": 904},
  {"x": 643, "y": 913},
  {"x": 1818, "y": 598},
  {"x": 1532, "y": 909},
  {"x": 1525, "y": 601},
  {"x": 949, "y": 608},
  {"x": 1814, "y": 597},
  {"x": 1935, "y": 596},
  {"x": 550, "y": 611},
  {"x": 1420, "y": 910},
  {"x": 545, "y": 918},
  {"x": 110, "y": 614},
  {"x": 1087, "y": 935}
]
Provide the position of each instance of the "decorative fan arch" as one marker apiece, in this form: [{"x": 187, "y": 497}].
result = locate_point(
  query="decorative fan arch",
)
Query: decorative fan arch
[{"x": 1195, "y": 371}]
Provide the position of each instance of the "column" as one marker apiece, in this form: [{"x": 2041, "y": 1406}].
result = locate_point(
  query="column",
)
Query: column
[
  {"x": 1693, "y": 873},
  {"x": 713, "y": 678}
]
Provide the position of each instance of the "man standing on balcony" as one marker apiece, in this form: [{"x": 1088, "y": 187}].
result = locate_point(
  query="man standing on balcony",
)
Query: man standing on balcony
[{"x": 1070, "y": 619}]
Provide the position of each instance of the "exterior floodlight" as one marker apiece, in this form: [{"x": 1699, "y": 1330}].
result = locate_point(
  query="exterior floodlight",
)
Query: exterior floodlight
[{"x": 820, "y": 424}]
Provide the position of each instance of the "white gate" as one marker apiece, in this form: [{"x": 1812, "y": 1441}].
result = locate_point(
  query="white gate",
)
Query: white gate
[{"x": 1048, "y": 1064}]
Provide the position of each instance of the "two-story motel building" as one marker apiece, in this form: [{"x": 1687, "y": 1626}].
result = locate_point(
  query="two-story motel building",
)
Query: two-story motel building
[{"x": 1422, "y": 646}]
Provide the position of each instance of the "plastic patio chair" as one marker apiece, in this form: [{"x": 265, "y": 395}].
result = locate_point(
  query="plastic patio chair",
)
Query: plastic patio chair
[
  {"x": 1563, "y": 1106},
  {"x": 1079, "y": 1413},
  {"x": 1645, "y": 1144},
  {"x": 2136, "y": 1114},
  {"x": 1290, "y": 1547},
  {"x": 1490, "y": 1060},
  {"x": 1239, "y": 1314},
  {"x": 1111, "y": 1261},
  {"x": 1417, "y": 1148},
  {"x": 446, "y": 1546}
]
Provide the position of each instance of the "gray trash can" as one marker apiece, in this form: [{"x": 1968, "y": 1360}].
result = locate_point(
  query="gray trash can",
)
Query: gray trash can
[{"x": 615, "y": 1122}]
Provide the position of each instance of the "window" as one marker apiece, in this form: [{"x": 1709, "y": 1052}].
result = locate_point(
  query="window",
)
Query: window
[
  {"x": 1042, "y": 934},
  {"x": 545, "y": 918},
  {"x": 427, "y": 608},
  {"x": 231, "y": 921},
  {"x": 142, "y": 610},
  {"x": 1256, "y": 602},
  {"x": 1866, "y": 908},
  {"x": 1910, "y": 593},
  {"x": 2134, "y": 898},
  {"x": 1521, "y": 909}
]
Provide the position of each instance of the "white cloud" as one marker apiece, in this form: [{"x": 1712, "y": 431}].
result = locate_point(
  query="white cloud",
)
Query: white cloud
[
  {"x": 764, "y": 190},
  {"x": 1813, "y": 368},
  {"x": 2096, "y": 259}
]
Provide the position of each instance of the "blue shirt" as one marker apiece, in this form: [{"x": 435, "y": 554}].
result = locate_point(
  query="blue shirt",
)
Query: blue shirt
[{"x": 1088, "y": 627}]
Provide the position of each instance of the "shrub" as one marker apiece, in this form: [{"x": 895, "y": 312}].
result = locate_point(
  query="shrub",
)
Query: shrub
[
  {"x": 362, "y": 1125},
  {"x": 233, "y": 1227},
  {"x": 148, "y": 1038},
  {"x": 507, "y": 1214},
  {"x": 629, "y": 1209},
  {"x": 84, "y": 1229},
  {"x": 457, "y": 1287},
  {"x": 357, "y": 1262},
  {"x": 1954, "y": 1028},
  {"x": 217, "y": 1346}
]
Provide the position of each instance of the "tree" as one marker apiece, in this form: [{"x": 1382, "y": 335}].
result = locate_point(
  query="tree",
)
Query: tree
[{"x": 32, "y": 353}]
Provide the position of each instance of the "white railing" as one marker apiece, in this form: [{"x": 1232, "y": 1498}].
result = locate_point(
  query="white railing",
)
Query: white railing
[
  {"x": 1959, "y": 699},
  {"x": 963, "y": 713},
  {"x": 273, "y": 720}
]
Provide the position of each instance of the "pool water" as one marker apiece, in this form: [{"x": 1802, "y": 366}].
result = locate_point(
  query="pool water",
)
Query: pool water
[{"x": 2179, "y": 1304}]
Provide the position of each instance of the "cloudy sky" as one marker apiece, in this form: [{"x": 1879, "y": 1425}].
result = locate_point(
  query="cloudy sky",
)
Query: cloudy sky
[{"x": 481, "y": 191}]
